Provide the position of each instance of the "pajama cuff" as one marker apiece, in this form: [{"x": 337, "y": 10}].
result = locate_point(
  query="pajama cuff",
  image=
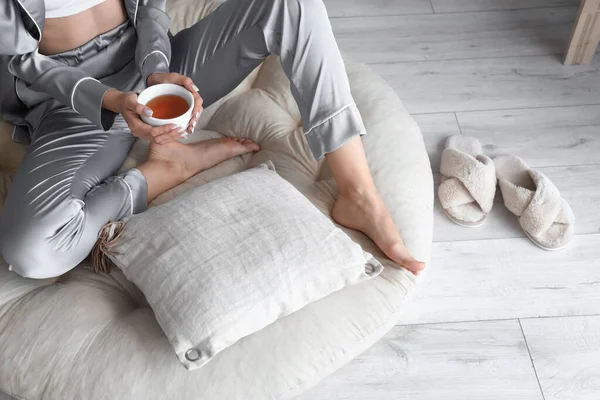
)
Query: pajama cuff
[
  {"x": 138, "y": 190},
  {"x": 86, "y": 99},
  {"x": 155, "y": 62},
  {"x": 335, "y": 131}
]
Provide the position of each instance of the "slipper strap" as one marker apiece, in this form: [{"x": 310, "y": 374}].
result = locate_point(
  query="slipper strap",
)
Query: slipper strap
[
  {"x": 470, "y": 178},
  {"x": 537, "y": 210}
]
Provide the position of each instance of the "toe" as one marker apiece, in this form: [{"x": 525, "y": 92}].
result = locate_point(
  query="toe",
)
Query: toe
[
  {"x": 252, "y": 146},
  {"x": 399, "y": 254},
  {"x": 416, "y": 266},
  {"x": 249, "y": 144}
]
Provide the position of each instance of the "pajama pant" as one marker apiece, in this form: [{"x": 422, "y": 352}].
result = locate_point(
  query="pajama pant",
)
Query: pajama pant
[{"x": 65, "y": 189}]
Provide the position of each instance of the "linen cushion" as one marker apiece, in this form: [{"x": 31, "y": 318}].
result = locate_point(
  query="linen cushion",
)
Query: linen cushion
[{"x": 224, "y": 260}]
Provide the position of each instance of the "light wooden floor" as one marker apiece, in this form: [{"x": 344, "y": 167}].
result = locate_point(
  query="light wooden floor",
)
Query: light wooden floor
[{"x": 497, "y": 318}]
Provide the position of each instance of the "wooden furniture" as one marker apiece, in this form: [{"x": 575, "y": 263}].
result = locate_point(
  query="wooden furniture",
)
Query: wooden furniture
[{"x": 585, "y": 35}]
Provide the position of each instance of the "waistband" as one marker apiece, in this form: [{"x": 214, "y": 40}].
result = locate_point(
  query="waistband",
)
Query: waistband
[
  {"x": 108, "y": 58},
  {"x": 123, "y": 34}
]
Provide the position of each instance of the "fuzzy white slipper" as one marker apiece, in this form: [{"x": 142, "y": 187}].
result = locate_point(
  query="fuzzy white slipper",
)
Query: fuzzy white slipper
[
  {"x": 544, "y": 215},
  {"x": 468, "y": 181}
]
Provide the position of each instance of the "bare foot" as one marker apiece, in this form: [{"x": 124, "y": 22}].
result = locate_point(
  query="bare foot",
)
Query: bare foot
[
  {"x": 365, "y": 212},
  {"x": 190, "y": 159}
]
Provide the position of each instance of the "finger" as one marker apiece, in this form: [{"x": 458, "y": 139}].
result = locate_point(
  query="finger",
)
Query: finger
[
  {"x": 197, "y": 104},
  {"x": 195, "y": 118},
  {"x": 163, "y": 139},
  {"x": 177, "y": 133},
  {"x": 161, "y": 130},
  {"x": 140, "y": 129},
  {"x": 130, "y": 100},
  {"x": 169, "y": 136},
  {"x": 156, "y": 78},
  {"x": 188, "y": 83},
  {"x": 198, "y": 99},
  {"x": 141, "y": 109},
  {"x": 130, "y": 117},
  {"x": 173, "y": 77},
  {"x": 165, "y": 129}
]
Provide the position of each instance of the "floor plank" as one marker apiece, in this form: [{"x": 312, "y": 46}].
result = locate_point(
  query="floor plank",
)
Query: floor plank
[
  {"x": 466, "y": 361},
  {"x": 361, "y": 8},
  {"x": 508, "y": 278},
  {"x": 492, "y": 84},
  {"x": 542, "y": 137},
  {"x": 436, "y": 128},
  {"x": 579, "y": 185},
  {"x": 566, "y": 355},
  {"x": 441, "y": 6},
  {"x": 386, "y": 39}
]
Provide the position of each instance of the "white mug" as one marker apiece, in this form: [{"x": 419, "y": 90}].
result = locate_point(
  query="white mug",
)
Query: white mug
[{"x": 163, "y": 89}]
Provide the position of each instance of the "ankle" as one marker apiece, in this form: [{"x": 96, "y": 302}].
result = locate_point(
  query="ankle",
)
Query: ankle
[
  {"x": 167, "y": 157},
  {"x": 357, "y": 192},
  {"x": 178, "y": 170},
  {"x": 170, "y": 169}
]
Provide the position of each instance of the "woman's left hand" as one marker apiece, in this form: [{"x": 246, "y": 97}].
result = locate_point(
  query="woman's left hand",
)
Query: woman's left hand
[{"x": 178, "y": 79}]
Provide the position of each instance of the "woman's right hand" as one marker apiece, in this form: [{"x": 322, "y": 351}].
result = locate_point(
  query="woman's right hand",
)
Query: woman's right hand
[{"x": 127, "y": 104}]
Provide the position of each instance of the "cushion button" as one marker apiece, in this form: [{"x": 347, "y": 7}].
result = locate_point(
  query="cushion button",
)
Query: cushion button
[{"x": 193, "y": 355}]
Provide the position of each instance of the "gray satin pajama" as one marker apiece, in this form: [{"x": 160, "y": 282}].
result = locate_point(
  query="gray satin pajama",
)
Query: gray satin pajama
[{"x": 65, "y": 189}]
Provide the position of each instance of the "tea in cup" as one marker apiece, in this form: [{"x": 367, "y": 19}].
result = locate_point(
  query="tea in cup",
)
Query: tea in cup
[{"x": 170, "y": 104}]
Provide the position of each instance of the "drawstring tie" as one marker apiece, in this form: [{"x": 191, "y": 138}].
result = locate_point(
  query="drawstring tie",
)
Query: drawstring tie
[{"x": 108, "y": 237}]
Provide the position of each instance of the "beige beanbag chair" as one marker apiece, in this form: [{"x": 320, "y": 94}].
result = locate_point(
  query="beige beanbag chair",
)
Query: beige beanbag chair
[
  {"x": 543, "y": 214},
  {"x": 468, "y": 182},
  {"x": 89, "y": 336}
]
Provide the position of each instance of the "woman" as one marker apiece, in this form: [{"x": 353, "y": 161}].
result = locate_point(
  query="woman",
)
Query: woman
[{"x": 69, "y": 72}]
